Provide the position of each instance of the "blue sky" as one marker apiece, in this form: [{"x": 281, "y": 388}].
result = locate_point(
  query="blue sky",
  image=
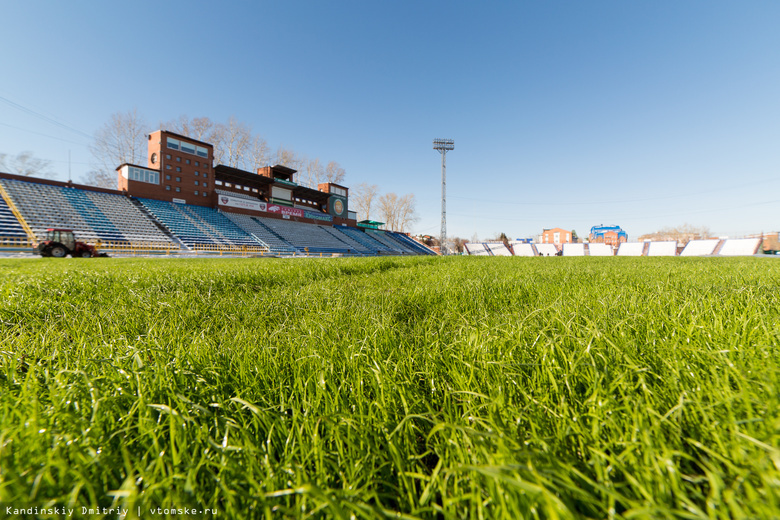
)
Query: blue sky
[{"x": 564, "y": 114}]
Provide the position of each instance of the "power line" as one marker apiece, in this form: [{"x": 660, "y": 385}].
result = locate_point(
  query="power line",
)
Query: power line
[
  {"x": 43, "y": 117},
  {"x": 44, "y": 135}
]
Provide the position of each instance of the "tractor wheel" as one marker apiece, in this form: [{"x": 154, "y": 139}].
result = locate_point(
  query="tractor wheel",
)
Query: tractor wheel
[
  {"x": 58, "y": 252},
  {"x": 85, "y": 254}
]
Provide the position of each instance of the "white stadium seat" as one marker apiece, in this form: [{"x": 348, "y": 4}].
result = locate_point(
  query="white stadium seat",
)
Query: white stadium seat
[
  {"x": 600, "y": 250},
  {"x": 700, "y": 247},
  {"x": 740, "y": 247},
  {"x": 631, "y": 249},
  {"x": 666, "y": 248}
]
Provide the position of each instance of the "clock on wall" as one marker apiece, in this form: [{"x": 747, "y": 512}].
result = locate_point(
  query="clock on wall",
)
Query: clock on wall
[{"x": 154, "y": 158}]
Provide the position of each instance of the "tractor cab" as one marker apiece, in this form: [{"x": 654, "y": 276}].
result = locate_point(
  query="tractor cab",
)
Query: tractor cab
[
  {"x": 61, "y": 242},
  {"x": 62, "y": 236}
]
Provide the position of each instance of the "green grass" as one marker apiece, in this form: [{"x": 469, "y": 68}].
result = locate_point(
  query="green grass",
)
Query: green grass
[{"x": 413, "y": 388}]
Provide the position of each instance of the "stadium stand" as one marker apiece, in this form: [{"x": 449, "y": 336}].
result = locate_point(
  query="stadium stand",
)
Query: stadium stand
[
  {"x": 476, "y": 249},
  {"x": 523, "y": 249},
  {"x": 9, "y": 225},
  {"x": 412, "y": 244},
  {"x": 198, "y": 225},
  {"x": 390, "y": 244},
  {"x": 405, "y": 247},
  {"x": 498, "y": 249},
  {"x": 372, "y": 245},
  {"x": 261, "y": 233},
  {"x": 91, "y": 215},
  {"x": 600, "y": 250},
  {"x": 700, "y": 247},
  {"x": 740, "y": 247},
  {"x": 631, "y": 249},
  {"x": 306, "y": 236},
  {"x": 665, "y": 248},
  {"x": 546, "y": 249},
  {"x": 571, "y": 249}
]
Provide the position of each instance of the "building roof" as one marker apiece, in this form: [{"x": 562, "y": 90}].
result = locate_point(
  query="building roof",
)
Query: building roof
[
  {"x": 137, "y": 166},
  {"x": 310, "y": 194},
  {"x": 185, "y": 137},
  {"x": 234, "y": 175}
]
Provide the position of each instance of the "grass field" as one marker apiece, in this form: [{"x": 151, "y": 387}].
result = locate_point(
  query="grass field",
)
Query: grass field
[{"x": 472, "y": 387}]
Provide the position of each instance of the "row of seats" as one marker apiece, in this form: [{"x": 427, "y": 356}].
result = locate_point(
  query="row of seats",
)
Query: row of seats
[
  {"x": 93, "y": 216},
  {"x": 198, "y": 225},
  {"x": 9, "y": 225}
]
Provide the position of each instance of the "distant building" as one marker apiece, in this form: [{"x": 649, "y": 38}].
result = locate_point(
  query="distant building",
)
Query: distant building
[
  {"x": 556, "y": 236},
  {"x": 611, "y": 235}
]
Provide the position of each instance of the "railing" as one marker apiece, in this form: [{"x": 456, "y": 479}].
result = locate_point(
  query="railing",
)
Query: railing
[{"x": 16, "y": 244}]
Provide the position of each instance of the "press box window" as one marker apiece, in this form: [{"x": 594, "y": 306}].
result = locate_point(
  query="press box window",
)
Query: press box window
[
  {"x": 178, "y": 179},
  {"x": 167, "y": 177},
  {"x": 141, "y": 175},
  {"x": 167, "y": 187},
  {"x": 178, "y": 189},
  {"x": 196, "y": 192}
]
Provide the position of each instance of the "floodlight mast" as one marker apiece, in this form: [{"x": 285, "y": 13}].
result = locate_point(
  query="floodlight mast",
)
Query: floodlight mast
[{"x": 443, "y": 146}]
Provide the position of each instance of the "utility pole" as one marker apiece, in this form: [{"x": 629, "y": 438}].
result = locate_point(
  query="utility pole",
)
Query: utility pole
[{"x": 443, "y": 146}]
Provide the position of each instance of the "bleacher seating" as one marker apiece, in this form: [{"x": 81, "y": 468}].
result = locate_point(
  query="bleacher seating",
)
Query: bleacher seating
[
  {"x": 412, "y": 244},
  {"x": 546, "y": 249},
  {"x": 664, "y": 248},
  {"x": 265, "y": 236},
  {"x": 476, "y": 249},
  {"x": 9, "y": 225},
  {"x": 371, "y": 244},
  {"x": 631, "y": 249},
  {"x": 523, "y": 249},
  {"x": 740, "y": 247},
  {"x": 91, "y": 215},
  {"x": 600, "y": 250},
  {"x": 199, "y": 225},
  {"x": 700, "y": 247},
  {"x": 305, "y": 236},
  {"x": 406, "y": 248},
  {"x": 573, "y": 249},
  {"x": 498, "y": 249},
  {"x": 389, "y": 243}
]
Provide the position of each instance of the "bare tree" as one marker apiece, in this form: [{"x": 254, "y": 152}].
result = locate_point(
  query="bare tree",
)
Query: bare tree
[
  {"x": 259, "y": 153},
  {"x": 122, "y": 139},
  {"x": 232, "y": 143},
  {"x": 406, "y": 212},
  {"x": 287, "y": 157},
  {"x": 25, "y": 163},
  {"x": 361, "y": 197},
  {"x": 200, "y": 128},
  {"x": 682, "y": 234},
  {"x": 334, "y": 173},
  {"x": 388, "y": 210},
  {"x": 312, "y": 172}
]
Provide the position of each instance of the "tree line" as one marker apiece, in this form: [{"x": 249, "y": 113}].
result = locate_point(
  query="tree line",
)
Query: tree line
[
  {"x": 397, "y": 212},
  {"x": 123, "y": 139}
]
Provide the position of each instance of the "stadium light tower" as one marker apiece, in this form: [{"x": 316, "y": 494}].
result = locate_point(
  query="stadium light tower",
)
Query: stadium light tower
[{"x": 443, "y": 146}]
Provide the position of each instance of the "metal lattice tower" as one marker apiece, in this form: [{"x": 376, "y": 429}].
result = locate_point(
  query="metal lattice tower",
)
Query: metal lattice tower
[{"x": 443, "y": 146}]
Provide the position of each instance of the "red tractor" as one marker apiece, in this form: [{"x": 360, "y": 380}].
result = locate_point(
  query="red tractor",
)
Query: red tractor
[{"x": 61, "y": 242}]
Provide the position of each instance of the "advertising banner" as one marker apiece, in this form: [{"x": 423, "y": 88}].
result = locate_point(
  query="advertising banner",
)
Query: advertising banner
[
  {"x": 316, "y": 215},
  {"x": 238, "y": 202},
  {"x": 284, "y": 210}
]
